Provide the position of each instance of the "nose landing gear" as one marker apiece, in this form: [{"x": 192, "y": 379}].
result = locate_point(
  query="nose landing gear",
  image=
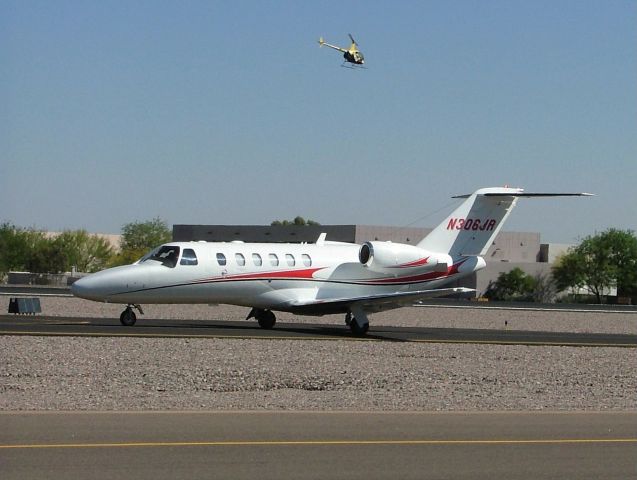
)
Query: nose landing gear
[{"x": 128, "y": 317}]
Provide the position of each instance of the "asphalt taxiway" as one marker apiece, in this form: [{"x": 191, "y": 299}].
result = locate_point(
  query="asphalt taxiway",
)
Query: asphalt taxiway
[
  {"x": 303, "y": 445},
  {"x": 78, "y": 326}
]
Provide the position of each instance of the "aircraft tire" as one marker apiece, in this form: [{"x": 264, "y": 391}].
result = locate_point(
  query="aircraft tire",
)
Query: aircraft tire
[
  {"x": 358, "y": 330},
  {"x": 266, "y": 319},
  {"x": 128, "y": 317}
]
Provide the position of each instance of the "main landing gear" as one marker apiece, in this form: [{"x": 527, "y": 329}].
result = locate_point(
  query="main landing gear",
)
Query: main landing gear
[
  {"x": 128, "y": 317},
  {"x": 357, "y": 321},
  {"x": 266, "y": 318}
]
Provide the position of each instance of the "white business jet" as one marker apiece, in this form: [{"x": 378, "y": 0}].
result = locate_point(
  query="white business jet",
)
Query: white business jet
[{"x": 312, "y": 279}]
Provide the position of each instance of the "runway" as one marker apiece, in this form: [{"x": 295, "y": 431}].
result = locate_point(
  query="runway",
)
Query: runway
[
  {"x": 77, "y": 326},
  {"x": 302, "y": 445}
]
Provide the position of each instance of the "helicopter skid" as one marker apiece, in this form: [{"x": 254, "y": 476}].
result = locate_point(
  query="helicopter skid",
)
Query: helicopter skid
[{"x": 353, "y": 67}]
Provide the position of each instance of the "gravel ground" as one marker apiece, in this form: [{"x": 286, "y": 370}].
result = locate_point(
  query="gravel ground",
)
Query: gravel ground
[{"x": 70, "y": 373}]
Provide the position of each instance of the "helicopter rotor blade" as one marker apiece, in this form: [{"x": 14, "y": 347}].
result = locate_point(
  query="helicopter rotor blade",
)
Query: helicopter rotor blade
[{"x": 352, "y": 38}]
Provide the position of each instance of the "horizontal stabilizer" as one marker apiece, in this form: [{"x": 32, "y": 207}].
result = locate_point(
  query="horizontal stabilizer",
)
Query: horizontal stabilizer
[{"x": 528, "y": 195}]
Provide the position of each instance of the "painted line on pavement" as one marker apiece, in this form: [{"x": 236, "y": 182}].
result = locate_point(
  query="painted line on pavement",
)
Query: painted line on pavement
[{"x": 254, "y": 443}]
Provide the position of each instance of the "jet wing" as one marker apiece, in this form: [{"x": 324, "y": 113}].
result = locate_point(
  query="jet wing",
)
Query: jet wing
[{"x": 371, "y": 303}]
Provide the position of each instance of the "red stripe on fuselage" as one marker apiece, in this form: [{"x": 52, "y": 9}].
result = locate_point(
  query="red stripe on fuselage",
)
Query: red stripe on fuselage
[
  {"x": 308, "y": 274},
  {"x": 419, "y": 278},
  {"x": 415, "y": 263},
  {"x": 305, "y": 274}
]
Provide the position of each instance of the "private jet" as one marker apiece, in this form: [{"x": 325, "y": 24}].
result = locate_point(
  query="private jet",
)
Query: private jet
[{"x": 320, "y": 278}]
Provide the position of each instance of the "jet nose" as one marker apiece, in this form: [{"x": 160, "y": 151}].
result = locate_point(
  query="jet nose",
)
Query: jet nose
[
  {"x": 96, "y": 286},
  {"x": 109, "y": 284},
  {"x": 82, "y": 288}
]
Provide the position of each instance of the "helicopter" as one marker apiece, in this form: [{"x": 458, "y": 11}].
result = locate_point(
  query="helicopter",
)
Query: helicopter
[{"x": 351, "y": 55}]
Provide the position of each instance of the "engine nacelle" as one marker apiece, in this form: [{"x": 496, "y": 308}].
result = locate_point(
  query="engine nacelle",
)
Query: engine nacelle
[{"x": 393, "y": 257}]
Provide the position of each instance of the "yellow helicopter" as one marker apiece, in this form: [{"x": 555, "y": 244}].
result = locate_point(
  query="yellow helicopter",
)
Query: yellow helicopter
[{"x": 351, "y": 55}]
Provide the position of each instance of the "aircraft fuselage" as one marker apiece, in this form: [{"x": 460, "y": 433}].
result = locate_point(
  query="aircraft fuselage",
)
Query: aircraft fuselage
[{"x": 262, "y": 275}]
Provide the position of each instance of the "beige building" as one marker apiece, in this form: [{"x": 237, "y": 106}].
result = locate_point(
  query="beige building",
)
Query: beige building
[{"x": 111, "y": 238}]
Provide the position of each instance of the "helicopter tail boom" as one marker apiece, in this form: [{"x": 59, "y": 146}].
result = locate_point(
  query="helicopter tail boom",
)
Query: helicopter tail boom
[{"x": 324, "y": 43}]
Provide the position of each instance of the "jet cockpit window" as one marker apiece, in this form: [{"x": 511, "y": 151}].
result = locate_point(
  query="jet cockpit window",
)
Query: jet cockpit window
[
  {"x": 165, "y": 254},
  {"x": 189, "y": 257},
  {"x": 221, "y": 259}
]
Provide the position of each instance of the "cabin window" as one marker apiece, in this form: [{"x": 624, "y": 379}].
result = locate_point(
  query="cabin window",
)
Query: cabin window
[
  {"x": 221, "y": 259},
  {"x": 167, "y": 255},
  {"x": 289, "y": 258},
  {"x": 307, "y": 261},
  {"x": 240, "y": 259},
  {"x": 189, "y": 257},
  {"x": 256, "y": 259},
  {"x": 274, "y": 260}
]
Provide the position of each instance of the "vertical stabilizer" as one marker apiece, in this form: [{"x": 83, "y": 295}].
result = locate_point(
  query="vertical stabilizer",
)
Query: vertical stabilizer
[{"x": 471, "y": 228}]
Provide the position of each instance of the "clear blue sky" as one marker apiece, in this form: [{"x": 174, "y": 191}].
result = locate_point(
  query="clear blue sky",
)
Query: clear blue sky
[{"x": 229, "y": 112}]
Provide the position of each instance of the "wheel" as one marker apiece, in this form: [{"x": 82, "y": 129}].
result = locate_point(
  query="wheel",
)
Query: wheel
[
  {"x": 358, "y": 330},
  {"x": 128, "y": 317},
  {"x": 266, "y": 319}
]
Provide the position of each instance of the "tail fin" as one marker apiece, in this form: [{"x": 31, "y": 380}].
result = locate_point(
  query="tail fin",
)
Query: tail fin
[{"x": 471, "y": 228}]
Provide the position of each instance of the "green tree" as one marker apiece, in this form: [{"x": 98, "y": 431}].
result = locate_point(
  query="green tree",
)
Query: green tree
[
  {"x": 297, "y": 221},
  {"x": 13, "y": 248},
  {"x": 512, "y": 285},
  {"x": 31, "y": 250},
  {"x": 26, "y": 249},
  {"x": 140, "y": 237},
  {"x": 544, "y": 289},
  {"x": 46, "y": 256},
  {"x": 600, "y": 262},
  {"x": 87, "y": 253}
]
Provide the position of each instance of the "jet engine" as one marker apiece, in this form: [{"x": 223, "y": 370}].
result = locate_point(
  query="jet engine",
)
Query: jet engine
[{"x": 384, "y": 257}]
